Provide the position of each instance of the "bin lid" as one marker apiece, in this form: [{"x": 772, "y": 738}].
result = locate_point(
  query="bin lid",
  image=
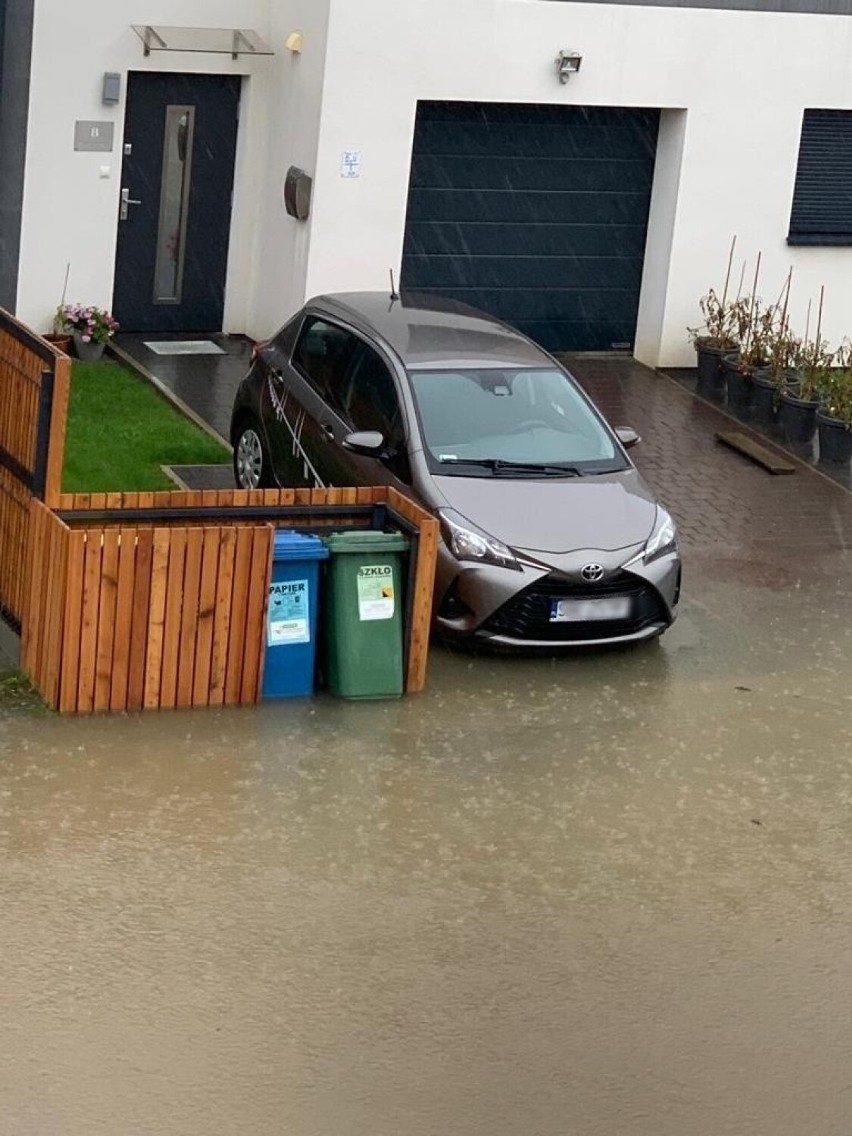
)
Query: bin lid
[
  {"x": 360, "y": 541},
  {"x": 298, "y": 546}
]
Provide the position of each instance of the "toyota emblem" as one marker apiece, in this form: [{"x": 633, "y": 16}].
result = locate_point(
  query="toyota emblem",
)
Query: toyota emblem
[{"x": 592, "y": 573}]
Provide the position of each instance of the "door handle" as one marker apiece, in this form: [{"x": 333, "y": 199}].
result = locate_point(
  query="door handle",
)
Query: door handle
[
  {"x": 126, "y": 202},
  {"x": 328, "y": 431}
]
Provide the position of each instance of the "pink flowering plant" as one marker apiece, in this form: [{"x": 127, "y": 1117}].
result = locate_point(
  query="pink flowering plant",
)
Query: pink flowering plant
[{"x": 93, "y": 325}]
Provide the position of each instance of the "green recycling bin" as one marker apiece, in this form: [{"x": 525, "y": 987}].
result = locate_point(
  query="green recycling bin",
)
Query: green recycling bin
[{"x": 363, "y": 615}]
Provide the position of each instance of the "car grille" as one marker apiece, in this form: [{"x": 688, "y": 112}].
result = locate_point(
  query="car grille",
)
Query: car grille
[{"x": 527, "y": 614}]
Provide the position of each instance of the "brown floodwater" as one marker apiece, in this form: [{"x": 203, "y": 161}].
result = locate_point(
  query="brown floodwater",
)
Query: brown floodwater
[{"x": 600, "y": 895}]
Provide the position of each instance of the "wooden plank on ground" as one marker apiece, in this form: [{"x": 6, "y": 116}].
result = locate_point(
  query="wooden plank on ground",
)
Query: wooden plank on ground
[{"x": 771, "y": 460}]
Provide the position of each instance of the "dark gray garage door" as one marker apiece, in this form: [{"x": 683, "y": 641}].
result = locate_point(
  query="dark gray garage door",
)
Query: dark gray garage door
[{"x": 535, "y": 214}]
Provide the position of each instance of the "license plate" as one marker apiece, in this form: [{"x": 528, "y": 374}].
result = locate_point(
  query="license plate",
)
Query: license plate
[{"x": 580, "y": 611}]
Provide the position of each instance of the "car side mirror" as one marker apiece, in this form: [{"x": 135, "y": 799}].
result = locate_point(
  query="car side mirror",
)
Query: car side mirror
[
  {"x": 628, "y": 438},
  {"x": 367, "y": 443}
]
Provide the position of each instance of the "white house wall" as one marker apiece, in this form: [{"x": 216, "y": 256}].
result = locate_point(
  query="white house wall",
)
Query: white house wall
[
  {"x": 70, "y": 212},
  {"x": 743, "y": 79},
  {"x": 732, "y": 86}
]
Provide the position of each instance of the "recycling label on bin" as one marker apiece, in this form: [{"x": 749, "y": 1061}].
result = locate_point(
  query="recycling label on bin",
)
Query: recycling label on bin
[
  {"x": 375, "y": 592},
  {"x": 288, "y": 620}
]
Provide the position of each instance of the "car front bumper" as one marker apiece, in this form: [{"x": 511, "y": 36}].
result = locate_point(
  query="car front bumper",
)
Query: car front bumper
[{"x": 510, "y": 609}]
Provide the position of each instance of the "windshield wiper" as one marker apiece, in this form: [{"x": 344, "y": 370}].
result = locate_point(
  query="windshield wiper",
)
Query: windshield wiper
[{"x": 499, "y": 465}]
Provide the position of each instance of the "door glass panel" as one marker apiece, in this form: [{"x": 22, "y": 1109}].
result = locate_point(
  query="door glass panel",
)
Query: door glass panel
[{"x": 174, "y": 204}]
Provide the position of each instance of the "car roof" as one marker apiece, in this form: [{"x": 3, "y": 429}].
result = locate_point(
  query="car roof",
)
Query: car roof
[{"x": 426, "y": 331}]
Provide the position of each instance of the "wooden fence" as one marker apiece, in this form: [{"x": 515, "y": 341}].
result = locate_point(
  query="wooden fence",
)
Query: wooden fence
[
  {"x": 148, "y": 600},
  {"x": 34, "y": 386}
]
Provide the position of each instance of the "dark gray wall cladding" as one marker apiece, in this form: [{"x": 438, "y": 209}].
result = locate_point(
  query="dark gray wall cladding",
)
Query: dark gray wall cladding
[
  {"x": 817, "y": 7},
  {"x": 535, "y": 214},
  {"x": 16, "y": 27}
]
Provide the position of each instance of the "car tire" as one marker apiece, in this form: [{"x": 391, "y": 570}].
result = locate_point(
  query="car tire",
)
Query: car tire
[{"x": 252, "y": 469}]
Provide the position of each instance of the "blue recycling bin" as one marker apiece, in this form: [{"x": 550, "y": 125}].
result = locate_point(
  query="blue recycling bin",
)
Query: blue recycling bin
[{"x": 291, "y": 618}]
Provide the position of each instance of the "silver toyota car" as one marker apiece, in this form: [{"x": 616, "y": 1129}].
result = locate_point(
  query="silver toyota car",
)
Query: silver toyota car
[{"x": 550, "y": 536}]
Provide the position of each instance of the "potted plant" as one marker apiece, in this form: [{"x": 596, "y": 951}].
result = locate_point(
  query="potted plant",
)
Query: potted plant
[
  {"x": 810, "y": 363},
  {"x": 834, "y": 415},
  {"x": 751, "y": 365},
  {"x": 718, "y": 335},
  {"x": 91, "y": 329}
]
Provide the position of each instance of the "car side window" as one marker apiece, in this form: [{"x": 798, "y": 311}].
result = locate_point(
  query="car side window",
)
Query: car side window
[
  {"x": 321, "y": 355},
  {"x": 371, "y": 402}
]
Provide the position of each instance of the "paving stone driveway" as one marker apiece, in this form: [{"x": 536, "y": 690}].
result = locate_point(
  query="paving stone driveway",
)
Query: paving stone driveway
[{"x": 719, "y": 498}]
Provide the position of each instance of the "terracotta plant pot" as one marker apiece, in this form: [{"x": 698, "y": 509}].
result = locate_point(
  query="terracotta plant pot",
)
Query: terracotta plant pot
[{"x": 60, "y": 340}]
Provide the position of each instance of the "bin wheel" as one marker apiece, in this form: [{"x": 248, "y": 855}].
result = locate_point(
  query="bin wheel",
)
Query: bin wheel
[{"x": 251, "y": 461}]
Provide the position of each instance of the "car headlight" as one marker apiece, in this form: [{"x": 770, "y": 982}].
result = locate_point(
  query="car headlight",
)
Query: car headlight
[
  {"x": 467, "y": 542},
  {"x": 663, "y": 539}
]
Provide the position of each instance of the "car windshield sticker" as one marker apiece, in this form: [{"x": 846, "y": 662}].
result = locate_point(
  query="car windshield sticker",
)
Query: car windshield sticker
[
  {"x": 375, "y": 592},
  {"x": 288, "y": 620}
]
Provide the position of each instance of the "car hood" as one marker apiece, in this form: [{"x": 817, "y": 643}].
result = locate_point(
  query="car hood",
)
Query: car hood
[{"x": 603, "y": 511}]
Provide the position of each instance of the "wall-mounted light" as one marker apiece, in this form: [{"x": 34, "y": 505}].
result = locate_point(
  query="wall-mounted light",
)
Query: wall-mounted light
[
  {"x": 111, "y": 89},
  {"x": 567, "y": 64},
  {"x": 294, "y": 42}
]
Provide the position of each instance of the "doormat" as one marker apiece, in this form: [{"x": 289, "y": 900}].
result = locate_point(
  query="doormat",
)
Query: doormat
[{"x": 184, "y": 347}]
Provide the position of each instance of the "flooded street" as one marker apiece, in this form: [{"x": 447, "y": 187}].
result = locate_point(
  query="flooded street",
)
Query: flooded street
[
  {"x": 603, "y": 895},
  {"x": 599, "y": 895}
]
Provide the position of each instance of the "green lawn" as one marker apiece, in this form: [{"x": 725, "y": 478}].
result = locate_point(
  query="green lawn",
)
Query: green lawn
[{"x": 121, "y": 430}]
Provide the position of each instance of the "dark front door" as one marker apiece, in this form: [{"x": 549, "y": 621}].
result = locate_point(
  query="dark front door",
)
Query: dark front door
[{"x": 177, "y": 178}]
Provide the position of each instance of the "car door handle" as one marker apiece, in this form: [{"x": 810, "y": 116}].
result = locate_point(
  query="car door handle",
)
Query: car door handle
[{"x": 328, "y": 431}]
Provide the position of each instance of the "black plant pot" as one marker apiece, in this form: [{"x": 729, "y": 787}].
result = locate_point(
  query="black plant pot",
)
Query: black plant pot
[
  {"x": 711, "y": 377},
  {"x": 797, "y": 418},
  {"x": 738, "y": 386},
  {"x": 835, "y": 440},
  {"x": 764, "y": 399}
]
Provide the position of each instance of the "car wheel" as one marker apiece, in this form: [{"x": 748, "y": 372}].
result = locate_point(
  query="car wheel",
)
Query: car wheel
[{"x": 251, "y": 461}]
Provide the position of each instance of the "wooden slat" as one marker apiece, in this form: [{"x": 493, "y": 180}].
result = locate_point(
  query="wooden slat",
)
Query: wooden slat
[
  {"x": 33, "y": 609},
  {"x": 56, "y": 437},
  {"x": 156, "y": 618},
  {"x": 58, "y": 573},
  {"x": 189, "y": 617},
  {"x": 72, "y": 626},
  {"x": 261, "y": 574},
  {"x": 138, "y": 646},
  {"x": 106, "y": 621},
  {"x": 222, "y": 614},
  {"x": 206, "y": 612},
  {"x": 749, "y": 447},
  {"x": 421, "y": 615},
  {"x": 174, "y": 609},
  {"x": 239, "y": 609},
  {"x": 89, "y": 625},
  {"x": 123, "y": 619}
]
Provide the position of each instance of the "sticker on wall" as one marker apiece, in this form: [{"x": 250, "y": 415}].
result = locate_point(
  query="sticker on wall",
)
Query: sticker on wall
[
  {"x": 289, "y": 613},
  {"x": 350, "y": 164},
  {"x": 375, "y": 592}
]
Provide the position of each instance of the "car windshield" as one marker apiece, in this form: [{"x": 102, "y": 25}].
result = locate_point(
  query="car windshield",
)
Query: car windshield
[{"x": 510, "y": 421}]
